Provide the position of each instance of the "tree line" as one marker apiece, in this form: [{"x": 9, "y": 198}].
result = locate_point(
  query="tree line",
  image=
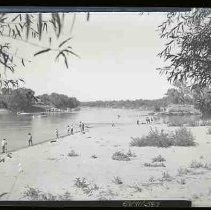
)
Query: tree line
[
  {"x": 179, "y": 94},
  {"x": 24, "y": 99}
]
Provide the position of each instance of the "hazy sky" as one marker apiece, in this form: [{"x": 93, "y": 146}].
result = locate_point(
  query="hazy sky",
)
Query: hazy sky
[{"x": 118, "y": 60}]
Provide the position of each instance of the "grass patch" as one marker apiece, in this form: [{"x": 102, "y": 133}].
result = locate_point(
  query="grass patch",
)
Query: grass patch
[
  {"x": 181, "y": 181},
  {"x": 166, "y": 177},
  {"x": 35, "y": 194},
  {"x": 183, "y": 171},
  {"x": 151, "y": 179},
  {"x": 86, "y": 187},
  {"x": 137, "y": 188},
  {"x": 159, "y": 158},
  {"x": 198, "y": 164},
  {"x": 72, "y": 153},
  {"x": 120, "y": 156},
  {"x": 130, "y": 154},
  {"x": 180, "y": 137},
  {"x": 117, "y": 180},
  {"x": 154, "y": 164}
]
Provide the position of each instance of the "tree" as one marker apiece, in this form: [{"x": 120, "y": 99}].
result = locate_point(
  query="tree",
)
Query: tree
[
  {"x": 34, "y": 30},
  {"x": 188, "y": 47},
  {"x": 18, "y": 99}
]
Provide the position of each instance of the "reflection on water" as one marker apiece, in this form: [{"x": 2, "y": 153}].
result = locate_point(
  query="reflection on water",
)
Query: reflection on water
[{"x": 16, "y": 127}]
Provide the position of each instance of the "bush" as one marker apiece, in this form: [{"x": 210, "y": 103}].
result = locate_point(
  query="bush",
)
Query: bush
[
  {"x": 155, "y": 138},
  {"x": 37, "y": 195},
  {"x": 183, "y": 137},
  {"x": 120, "y": 156},
  {"x": 159, "y": 158}
]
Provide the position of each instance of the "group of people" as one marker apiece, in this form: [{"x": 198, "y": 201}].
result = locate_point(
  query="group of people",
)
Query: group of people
[
  {"x": 148, "y": 121},
  {"x": 70, "y": 131}
]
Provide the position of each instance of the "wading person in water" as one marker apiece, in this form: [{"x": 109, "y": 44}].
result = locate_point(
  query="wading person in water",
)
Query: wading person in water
[
  {"x": 4, "y": 145},
  {"x": 137, "y": 122},
  {"x": 29, "y": 139}
]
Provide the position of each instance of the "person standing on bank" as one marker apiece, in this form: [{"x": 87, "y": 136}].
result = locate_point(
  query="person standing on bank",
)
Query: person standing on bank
[
  {"x": 30, "y": 139},
  {"x": 68, "y": 130},
  {"x": 71, "y": 130},
  {"x": 57, "y": 133},
  {"x": 83, "y": 128},
  {"x": 4, "y": 145},
  {"x": 80, "y": 126}
]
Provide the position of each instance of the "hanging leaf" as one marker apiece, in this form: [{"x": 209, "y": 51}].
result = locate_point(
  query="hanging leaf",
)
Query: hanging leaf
[
  {"x": 65, "y": 41},
  {"x": 22, "y": 62},
  {"x": 42, "y": 51}
]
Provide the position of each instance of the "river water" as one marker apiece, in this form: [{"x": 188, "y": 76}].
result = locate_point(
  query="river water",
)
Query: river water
[{"x": 16, "y": 127}]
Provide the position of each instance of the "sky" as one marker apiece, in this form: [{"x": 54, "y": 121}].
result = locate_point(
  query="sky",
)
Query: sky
[{"x": 118, "y": 60}]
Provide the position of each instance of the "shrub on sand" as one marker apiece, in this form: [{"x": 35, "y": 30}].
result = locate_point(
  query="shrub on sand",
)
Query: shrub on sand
[
  {"x": 72, "y": 153},
  {"x": 180, "y": 137},
  {"x": 182, "y": 181},
  {"x": 154, "y": 138},
  {"x": 81, "y": 183},
  {"x": 166, "y": 177},
  {"x": 159, "y": 158},
  {"x": 130, "y": 154},
  {"x": 117, "y": 180},
  {"x": 183, "y": 137},
  {"x": 197, "y": 164},
  {"x": 120, "y": 156},
  {"x": 35, "y": 194},
  {"x": 154, "y": 164},
  {"x": 86, "y": 187},
  {"x": 183, "y": 171}
]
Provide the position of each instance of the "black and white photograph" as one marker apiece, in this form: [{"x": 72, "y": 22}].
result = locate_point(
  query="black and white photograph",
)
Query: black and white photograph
[{"x": 99, "y": 106}]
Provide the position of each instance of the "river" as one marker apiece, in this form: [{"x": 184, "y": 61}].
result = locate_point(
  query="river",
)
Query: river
[{"x": 15, "y": 127}]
